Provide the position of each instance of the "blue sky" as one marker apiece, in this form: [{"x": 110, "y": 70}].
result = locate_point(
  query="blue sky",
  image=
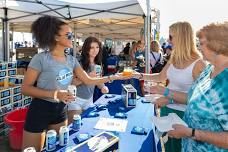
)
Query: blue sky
[{"x": 197, "y": 12}]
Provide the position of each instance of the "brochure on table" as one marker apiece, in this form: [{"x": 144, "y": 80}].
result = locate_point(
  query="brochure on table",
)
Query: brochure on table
[{"x": 111, "y": 124}]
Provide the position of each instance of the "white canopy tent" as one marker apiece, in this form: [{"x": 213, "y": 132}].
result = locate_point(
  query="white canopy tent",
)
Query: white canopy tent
[{"x": 122, "y": 19}]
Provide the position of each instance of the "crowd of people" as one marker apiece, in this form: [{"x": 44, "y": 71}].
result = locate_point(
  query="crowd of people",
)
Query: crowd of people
[{"x": 197, "y": 82}]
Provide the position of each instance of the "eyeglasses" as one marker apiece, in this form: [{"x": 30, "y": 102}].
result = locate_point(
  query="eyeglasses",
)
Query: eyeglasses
[
  {"x": 170, "y": 37},
  {"x": 69, "y": 35},
  {"x": 202, "y": 42}
]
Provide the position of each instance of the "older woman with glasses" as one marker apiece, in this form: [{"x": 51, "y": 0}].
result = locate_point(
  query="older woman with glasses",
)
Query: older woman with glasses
[
  {"x": 181, "y": 71},
  {"x": 207, "y": 111}
]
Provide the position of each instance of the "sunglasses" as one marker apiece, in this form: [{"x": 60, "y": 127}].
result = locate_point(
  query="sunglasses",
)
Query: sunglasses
[
  {"x": 170, "y": 37},
  {"x": 69, "y": 35}
]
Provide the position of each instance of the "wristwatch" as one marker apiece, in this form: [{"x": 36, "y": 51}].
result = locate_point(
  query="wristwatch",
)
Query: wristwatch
[{"x": 193, "y": 136}]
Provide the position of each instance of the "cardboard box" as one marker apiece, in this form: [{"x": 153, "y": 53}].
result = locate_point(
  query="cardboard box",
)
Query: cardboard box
[
  {"x": 16, "y": 98},
  {"x": 3, "y": 66},
  {"x": 27, "y": 101},
  {"x": 4, "y": 110},
  {"x": 129, "y": 95},
  {"x": 16, "y": 80},
  {"x": 5, "y": 92},
  {"x": 103, "y": 142},
  {"x": 3, "y": 73},
  {"x": 16, "y": 89},
  {"x": 12, "y": 65},
  {"x": 18, "y": 104},
  {"x": 12, "y": 72},
  {"x": 5, "y": 101}
]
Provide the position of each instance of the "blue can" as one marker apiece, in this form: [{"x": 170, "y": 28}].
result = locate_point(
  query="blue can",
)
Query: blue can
[
  {"x": 77, "y": 122},
  {"x": 98, "y": 70},
  {"x": 63, "y": 136},
  {"x": 51, "y": 140}
]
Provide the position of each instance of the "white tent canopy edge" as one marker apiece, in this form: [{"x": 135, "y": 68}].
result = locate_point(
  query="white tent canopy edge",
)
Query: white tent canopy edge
[{"x": 29, "y": 10}]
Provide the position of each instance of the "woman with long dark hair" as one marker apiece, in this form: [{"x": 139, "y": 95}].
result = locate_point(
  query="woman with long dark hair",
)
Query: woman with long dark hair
[{"x": 91, "y": 61}]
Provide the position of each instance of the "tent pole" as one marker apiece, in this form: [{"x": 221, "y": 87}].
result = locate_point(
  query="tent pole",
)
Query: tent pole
[
  {"x": 5, "y": 31},
  {"x": 147, "y": 37},
  {"x": 75, "y": 41}
]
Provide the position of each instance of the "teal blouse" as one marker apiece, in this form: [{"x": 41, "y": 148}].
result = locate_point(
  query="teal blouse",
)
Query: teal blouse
[{"x": 207, "y": 109}]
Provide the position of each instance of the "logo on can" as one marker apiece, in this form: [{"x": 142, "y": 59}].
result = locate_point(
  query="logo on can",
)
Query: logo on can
[
  {"x": 63, "y": 136},
  {"x": 98, "y": 70},
  {"x": 72, "y": 89},
  {"x": 51, "y": 140},
  {"x": 29, "y": 149},
  {"x": 76, "y": 122}
]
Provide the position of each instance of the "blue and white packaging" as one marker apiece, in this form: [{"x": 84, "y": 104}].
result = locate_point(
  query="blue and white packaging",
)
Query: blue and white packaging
[
  {"x": 77, "y": 122},
  {"x": 63, "y": 136},
  {"x": 102, "y": 142},
  {"x": 51, "y": 140},
  {"x": 129, "y": 95}
]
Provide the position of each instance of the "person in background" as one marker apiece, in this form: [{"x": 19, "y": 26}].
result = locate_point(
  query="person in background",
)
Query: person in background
[
  {"x": 126, "y": 49},
  {"x": 168, "y": 53},
  {"x": 53, "y": 71},
  {"x": 139, "y": 57},
  {"x": 105, "y": 56},
  {"x": 207, "y": 111},
  {"x": 182, "y": 70},
  {"x": 155, "y": 55},
  {"x": 91, "y": 57},
  {"x": 133, "y": 50}
]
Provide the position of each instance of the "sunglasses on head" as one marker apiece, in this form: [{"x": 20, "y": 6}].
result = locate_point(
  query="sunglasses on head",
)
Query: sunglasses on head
[
  {"x": 69, "y": 35},
  {"x": 170, "y": 37}
]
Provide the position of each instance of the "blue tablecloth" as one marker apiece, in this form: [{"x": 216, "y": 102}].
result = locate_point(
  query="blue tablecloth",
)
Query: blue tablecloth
[
  {"x": 138, "y": 116},
  {"x": 116, "y": 87}
]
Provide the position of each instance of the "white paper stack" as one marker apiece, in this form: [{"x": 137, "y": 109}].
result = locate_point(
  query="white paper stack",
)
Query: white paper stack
[{"x": 164, "y": 124}]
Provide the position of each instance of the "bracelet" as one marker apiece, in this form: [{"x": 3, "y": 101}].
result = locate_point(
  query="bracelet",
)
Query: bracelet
[
  {"x": 55, "y": 96},
  {"x": 193, "y": 136},
  {"x": 166, "y": 92},
  {"x": 110, "y": 80},
  {"x": 171, "y": 101}
]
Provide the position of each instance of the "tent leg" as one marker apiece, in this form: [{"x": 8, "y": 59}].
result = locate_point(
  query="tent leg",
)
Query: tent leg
[
  {"x": 147, "y": 37},
  {"x": 5, "y": 39}
]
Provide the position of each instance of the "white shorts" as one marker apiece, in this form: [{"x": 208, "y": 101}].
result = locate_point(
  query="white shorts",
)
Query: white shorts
[{"x": 80, "y": 104}]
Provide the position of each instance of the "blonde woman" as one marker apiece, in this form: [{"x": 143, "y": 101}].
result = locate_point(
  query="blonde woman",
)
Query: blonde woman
[
  {"x": 155, "y": 56},
  {"x": 207, "y": 113},
  {"x": 183, "y": 68}
]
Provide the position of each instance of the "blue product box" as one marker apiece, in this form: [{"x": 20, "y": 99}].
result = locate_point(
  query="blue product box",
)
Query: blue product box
[
  {"x": 15, "y": 80},
  {"x": 6, "y": 109},
  {"x": 103, "y": 142},
  {"x": 12, "y": 65},
  {"x": 27, "y": 101},
  {"x": 3, "y": 66},
  {"x": 129, "y": 95},
  {"x": 17, "y": 104},
  {"x": 16, "y": 90},
  {"x": 5, "y": 93},
  {"x": 17, "y": 97},
  {"x": 12, "y": 72},
  {"x": 5, "y": 101},
  {"x": 3, "y": 73}
]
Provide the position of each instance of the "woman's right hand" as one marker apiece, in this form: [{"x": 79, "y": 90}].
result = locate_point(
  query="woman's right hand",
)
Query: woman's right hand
[
  {"x": 162, "y": 101},
  {"x": 65, "y": 96},
  {"x": 136, "y": 75}
]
